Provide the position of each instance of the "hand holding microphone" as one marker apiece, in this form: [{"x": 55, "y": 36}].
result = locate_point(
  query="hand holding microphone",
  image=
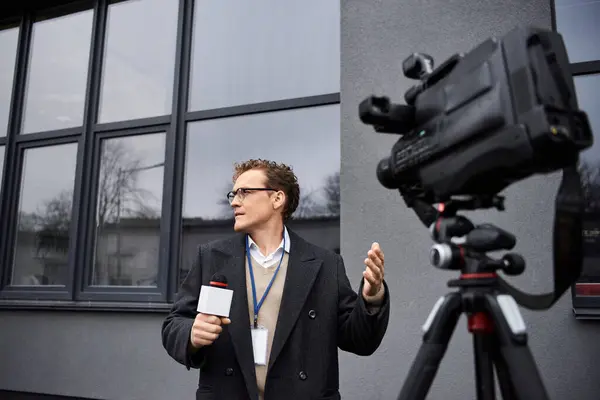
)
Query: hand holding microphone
[
  {"x": 206, "y": 329},
  {"x": 213, "y": 312}
]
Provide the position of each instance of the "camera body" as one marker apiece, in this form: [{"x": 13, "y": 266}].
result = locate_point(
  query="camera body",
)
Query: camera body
[{"x": 483, "y": 120}]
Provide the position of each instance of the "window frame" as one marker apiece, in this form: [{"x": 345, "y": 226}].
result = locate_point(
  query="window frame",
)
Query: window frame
[
  {"x": 584, "y": 307},
  {"x": 78, "y": 295}
]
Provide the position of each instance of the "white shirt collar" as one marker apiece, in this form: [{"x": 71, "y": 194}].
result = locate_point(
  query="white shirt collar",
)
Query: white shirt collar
[{"x": 254, "y": 246}]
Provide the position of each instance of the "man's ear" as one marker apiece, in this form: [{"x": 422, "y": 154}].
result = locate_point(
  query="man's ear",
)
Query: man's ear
[{"x": 279, "y": 199}]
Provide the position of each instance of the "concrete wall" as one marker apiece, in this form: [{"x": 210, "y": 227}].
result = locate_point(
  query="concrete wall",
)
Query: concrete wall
[{"x": 376, "y": 37}]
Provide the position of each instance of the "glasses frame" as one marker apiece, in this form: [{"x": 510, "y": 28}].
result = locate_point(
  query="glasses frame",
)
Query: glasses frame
[{"x": 243, "y": 192}]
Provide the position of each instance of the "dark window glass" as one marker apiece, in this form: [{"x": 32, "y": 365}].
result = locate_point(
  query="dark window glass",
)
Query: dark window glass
[
  {"x": 128, "y": 211},
  {"x": 57, "y": 75},
  {"x": 588, "y": 88},
  {"x": 8, "y": 49},
  {"x": 44, "y": 218},
  {"x": 307, "y": 139},
  {"x": 577, "y": 21},
  {"x": 139, "y": 60},
  {"x": 250, "y": 52}
]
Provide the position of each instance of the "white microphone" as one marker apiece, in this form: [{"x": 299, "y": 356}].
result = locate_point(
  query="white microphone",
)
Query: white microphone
[{"x": 216, "y": 298}]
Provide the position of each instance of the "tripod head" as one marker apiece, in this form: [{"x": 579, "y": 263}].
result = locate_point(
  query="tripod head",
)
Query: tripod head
[{"x": 461, "y": 245}]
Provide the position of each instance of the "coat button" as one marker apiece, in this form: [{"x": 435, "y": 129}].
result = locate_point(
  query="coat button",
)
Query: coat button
[
  {"x": 229, "y": 371},
  {"x": 312, "y": 314},
  {"x": 302, "y": 375}
]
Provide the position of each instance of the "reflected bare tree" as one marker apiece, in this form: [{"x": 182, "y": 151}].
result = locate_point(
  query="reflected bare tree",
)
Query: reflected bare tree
[
  {"x": 119, "y": 194},
  {"x": 314, "y": 203},
  {"x": 309, "y": 205},
  {"x": 332, "y": 193},
  {"x": 590, "y": 183}
]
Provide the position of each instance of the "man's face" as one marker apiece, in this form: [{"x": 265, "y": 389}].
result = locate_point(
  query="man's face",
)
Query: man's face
[{"x": 253, "y": 208}]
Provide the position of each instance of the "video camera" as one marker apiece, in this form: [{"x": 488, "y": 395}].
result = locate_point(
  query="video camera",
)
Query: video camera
[
  {"x": 478, "y": 123},
  {"x": 471, "y": 127},
  {"x": 481, "y": 121}
]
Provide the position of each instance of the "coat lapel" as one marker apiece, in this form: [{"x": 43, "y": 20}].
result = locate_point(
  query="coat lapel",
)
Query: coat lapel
[
  {"x": 239, "y": 329},
  {"x": 303, "y": 268}
]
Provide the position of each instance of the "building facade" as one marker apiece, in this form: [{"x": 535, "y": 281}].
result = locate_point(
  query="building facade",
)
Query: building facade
[{"x": 120, "y": 122}]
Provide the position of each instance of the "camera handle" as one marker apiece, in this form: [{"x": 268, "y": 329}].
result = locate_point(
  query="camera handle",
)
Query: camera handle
[{"x": 494, "y": 319}]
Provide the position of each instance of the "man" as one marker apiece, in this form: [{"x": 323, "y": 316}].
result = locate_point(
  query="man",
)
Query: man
[{"x": 281, "y": 344}]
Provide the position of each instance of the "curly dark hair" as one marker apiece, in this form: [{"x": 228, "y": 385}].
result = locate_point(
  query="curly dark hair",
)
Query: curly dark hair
[{"x": 279, "y": 176}]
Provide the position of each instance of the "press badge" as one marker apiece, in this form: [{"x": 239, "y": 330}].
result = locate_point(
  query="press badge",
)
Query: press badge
[{"x": 259, "y": 345}]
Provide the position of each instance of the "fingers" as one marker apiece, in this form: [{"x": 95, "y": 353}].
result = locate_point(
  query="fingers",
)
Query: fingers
[
  {"x": 376, "y": 254},
  {"x": 206, "y": 329},
  {"x": 368, "y": 275},
  {"x": 377, "y": 250},
  {"x": 211, "y": 319}
]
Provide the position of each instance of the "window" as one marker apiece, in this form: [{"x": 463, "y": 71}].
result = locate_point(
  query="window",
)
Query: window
[
  {"x": 44, "y": 216},
  {"x": 577, "y": 21},
  {"x": 128, "y": 212},
  {"x": 120, "y": 122},
  {"x": 57, "y": 74},
  {"x": 587, "y": 87},
  {"x": 137, "y": 78},
  {"x": 285, "y": 136},
  {"x": 8, "y": 45},
  {"x": 265, "y": 51}
]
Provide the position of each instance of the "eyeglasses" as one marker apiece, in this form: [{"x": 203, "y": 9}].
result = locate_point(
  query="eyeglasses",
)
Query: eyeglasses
[{"x": 243, "y": 192}]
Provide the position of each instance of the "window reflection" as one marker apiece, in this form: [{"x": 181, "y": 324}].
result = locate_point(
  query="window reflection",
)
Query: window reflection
[
  {"x": 8, "y": 49},
  {"x": 44, "y": 218},
  {"x": 268, "y": 50},
  {"x": 57, "y": 74},
  {"x": 128, "y": 211},
  {"x": 577, "y": 21},
  {"x": 587, "y": 88},
  {"x": 139, "y": 61},
  {"x": 306, "y": 139}
]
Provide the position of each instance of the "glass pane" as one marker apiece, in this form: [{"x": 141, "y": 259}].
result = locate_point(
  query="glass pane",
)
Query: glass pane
[
  {"x": 588, "y": 88},
  {"x": 8, "y": 48},
  {"x": 57, "y": 75},
  {"x": 286, "y": 136},
  {"x": 137, "y": 79},
  {"x": 577, "y": 21},
  {"x": 41, "y": 256},
  {"x": 128, "y": 211},
  {"x": 250, "y": 52}
]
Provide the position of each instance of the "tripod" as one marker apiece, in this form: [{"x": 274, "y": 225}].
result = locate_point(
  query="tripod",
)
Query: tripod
[{"x": 494, "y": 320}]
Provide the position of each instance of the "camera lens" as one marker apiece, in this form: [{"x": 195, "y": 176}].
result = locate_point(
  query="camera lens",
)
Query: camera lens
[
  {"x": 385, "y": 174},
  {"x": 441, "y": 256},
  {"x": 435, "y": 256}
]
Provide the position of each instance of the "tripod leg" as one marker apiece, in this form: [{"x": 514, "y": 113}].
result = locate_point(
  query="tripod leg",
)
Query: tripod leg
[
  {"x": 438, "y": 329},
  {"x": 506, "y": 387},
  {"x": 517, "y": 366},
  {"x": 484, "y": 369}
]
